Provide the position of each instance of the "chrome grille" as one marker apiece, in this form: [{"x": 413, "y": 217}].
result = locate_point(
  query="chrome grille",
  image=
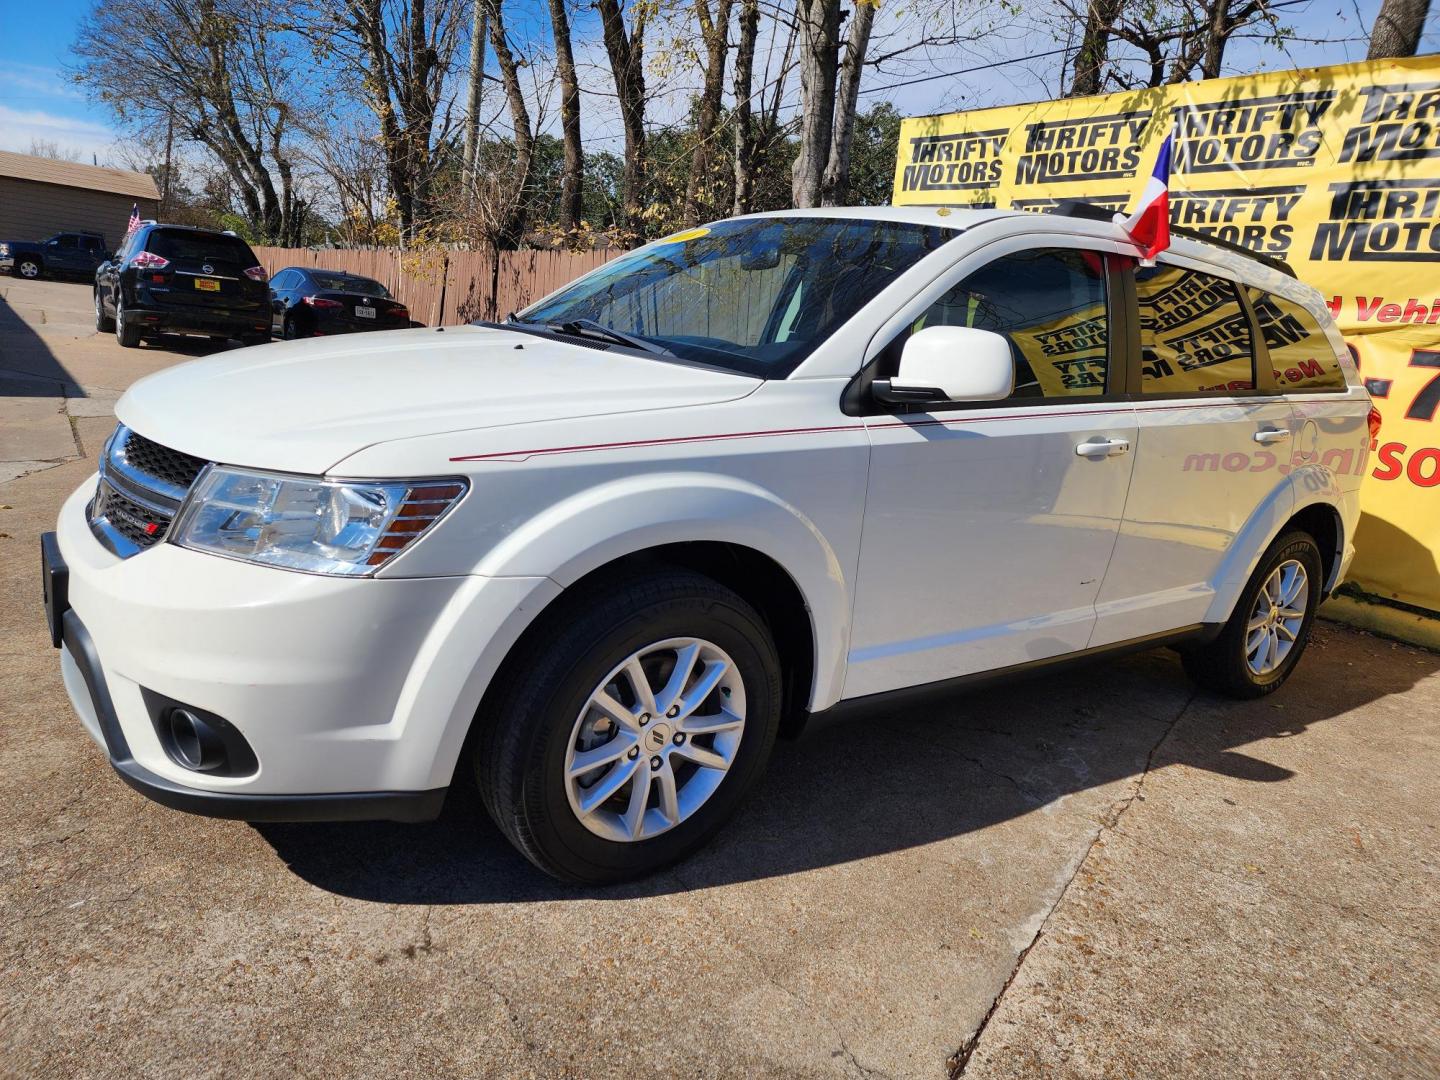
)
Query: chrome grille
[
  {"x": 142, "y": 485},
  {"x": 159, "y": 462}
]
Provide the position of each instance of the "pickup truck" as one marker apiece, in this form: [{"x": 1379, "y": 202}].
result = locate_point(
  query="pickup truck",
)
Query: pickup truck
[{"x": 78, "y": 253}]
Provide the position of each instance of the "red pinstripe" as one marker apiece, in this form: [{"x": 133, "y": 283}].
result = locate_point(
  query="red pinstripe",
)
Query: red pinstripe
[{"x": 680, "y": 440}]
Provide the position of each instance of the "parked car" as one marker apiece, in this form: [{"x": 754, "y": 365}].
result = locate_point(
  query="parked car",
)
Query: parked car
[
  {"x": 318, "y": 303},
  {"x": 67, "y": 253},
  {"x": 778, "y": 466},
  {"x": 176, "y": 279}
]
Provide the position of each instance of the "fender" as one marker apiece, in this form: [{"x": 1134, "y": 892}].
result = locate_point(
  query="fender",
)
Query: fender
[
  {"x": 584, "y": 532},
  {"x": 1306, "y": 485}
]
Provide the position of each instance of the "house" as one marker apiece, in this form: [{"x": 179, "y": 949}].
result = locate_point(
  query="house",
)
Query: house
[{"x": 40, "y": 196}]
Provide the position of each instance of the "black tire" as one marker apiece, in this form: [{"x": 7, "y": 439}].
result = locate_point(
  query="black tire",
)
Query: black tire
[
  {"x": 527, "y": 721},
  {"x": 126, "y": 332},
  {"x": 104, "y": 324},
  {"x": 28, "y": 268},
  {"x": 254, "y": 339},
  {"x": 1222, "y": 665},
  {"x": 290, "y": 331}
]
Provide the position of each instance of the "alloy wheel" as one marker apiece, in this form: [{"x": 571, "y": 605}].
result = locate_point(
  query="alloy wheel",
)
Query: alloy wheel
[
  {"x": 1276, "y": 618},
  {"x": 655, "y": 739}
]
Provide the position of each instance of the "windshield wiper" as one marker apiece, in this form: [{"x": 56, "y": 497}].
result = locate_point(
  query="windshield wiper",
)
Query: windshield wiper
[{"x": 584, "y": 327}]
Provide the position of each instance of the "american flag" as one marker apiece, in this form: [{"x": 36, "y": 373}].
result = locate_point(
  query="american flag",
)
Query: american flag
[{"x": 134, "y": 218}]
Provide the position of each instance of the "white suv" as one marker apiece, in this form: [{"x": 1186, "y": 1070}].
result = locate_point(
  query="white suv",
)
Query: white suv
[{"x": 783, "y": 464}]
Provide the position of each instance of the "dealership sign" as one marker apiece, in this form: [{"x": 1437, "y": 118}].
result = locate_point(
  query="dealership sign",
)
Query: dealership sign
[{"x": 1335, "y": 169}]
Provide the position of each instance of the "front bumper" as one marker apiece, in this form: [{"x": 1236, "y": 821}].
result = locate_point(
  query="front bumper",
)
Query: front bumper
[
  {"x": 354, "y": 695},
  {"x": 7, "y": 263}
]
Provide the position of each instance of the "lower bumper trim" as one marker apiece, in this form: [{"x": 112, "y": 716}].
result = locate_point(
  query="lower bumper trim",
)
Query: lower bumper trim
[{"x": 405, "y": 806}]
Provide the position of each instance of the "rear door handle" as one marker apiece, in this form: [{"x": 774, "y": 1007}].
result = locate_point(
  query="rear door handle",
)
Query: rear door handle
[
  {"x": 1098, "y": 448},
  {"x": 1270, "y": 438}
]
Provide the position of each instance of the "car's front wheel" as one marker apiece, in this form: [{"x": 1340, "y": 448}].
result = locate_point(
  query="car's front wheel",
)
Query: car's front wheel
[
  {"x": 628, "y": 732},
  {"x": 1270, "y": 626},
  {"x": 28, "y": 268}
]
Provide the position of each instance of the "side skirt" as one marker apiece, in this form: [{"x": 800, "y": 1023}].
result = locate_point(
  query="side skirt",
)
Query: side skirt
[{"x": 911, "y": 696}]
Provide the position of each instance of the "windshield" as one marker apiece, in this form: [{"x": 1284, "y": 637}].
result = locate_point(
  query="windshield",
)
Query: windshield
[
  {"x": 187, "y": 246},
  {"x": 347, "y": 283},
  {"x": 756, "y": 296}
]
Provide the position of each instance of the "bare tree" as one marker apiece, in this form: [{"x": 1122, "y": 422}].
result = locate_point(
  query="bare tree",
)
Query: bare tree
[
  {"x": 400, "y": 52},
  {"x": 626, "y": 49},
  {"x": 572, "y": 179},
  {"x": 225, "y": 76},
  {"x": 1397, "y": 28},
  {"x": 1094, "y": 51},
  {"x": 744, "y": 110},
  {"x": 511, "y": 222},
  {"x": 819, "y": 60},
  {"x": 715, "y": 33},
  {"x": 835, "y": 187},
  {"x": 475, "y": 84}
]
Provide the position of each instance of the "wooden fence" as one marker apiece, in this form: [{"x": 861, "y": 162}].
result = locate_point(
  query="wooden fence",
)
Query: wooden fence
[{"x": 444, "y": 288}]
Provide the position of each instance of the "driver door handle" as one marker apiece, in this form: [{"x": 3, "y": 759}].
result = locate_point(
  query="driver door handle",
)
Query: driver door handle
[
  {"x": 1099, "y": 448},
  {"x": 1271, "y": 437}
]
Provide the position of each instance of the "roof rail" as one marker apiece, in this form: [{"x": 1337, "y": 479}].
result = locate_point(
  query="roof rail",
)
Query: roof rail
[{"x": 1078, "y": 208}]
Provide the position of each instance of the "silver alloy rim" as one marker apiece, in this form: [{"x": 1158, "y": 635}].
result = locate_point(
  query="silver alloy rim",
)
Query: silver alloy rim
[
  {"x": 655, "y": 739},
  {"x": 119, "y": 319},
  {"x": 99, "y": 310},
  {"x": 1275, "y": 621},
  {"x": 29, "y": 270}
]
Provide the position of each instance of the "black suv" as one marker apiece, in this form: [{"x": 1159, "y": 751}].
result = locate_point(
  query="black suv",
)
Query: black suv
[
  {"x": 64, "y": 253},
  {"x": 174, "y": 279}
]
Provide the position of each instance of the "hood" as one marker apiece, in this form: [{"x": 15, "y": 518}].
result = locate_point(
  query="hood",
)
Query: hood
[{"x": 302, "y": 406}]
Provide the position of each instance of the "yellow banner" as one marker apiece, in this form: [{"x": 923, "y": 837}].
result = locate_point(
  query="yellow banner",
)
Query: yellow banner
[{"x": 1334, "y": 169}]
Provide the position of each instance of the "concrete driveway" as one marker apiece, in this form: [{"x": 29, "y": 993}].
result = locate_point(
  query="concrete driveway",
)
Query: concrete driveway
[{"x": 1094, "y": 874}]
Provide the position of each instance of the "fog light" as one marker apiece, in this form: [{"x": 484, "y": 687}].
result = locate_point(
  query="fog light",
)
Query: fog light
[{"x": 195, "y": 743}]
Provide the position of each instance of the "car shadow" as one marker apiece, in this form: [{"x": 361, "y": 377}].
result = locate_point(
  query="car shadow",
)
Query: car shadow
[
  {"x": 28, "y": 365},
  {"x": 893, "y": 780}
]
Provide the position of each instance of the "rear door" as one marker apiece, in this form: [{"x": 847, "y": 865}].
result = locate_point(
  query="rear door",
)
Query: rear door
[
  {"x": 989, "y": 526},
  {"x": 1213, "y": 447}
]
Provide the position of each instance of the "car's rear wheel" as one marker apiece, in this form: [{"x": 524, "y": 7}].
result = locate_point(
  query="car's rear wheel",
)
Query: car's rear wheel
[
  {"x": 104, "y": 324},
  {"x": 254, "y": 339},
  {"x": 628, "y": 732},
  {"x": 290, "y": 331},
  {"x": 1270, "y": 626},
  {"x": 28, "y": 268},
  {"x": 126, "y": 333}
]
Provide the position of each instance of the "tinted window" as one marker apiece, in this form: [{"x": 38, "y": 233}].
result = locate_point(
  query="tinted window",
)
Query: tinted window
[
  {"x": 287, "y": 279},
  {"x": 1194, "y": 335},
  {"x": 755, "y": 295},
  {"x": 1050, "y": 305},
  {"x": 346, "y": 283},
  {"x": 186, "y": 246},
  {"x": 1300, "y": 352},
  {"x": 92, "y": 243},
  {"x": 66, "y": 243}
]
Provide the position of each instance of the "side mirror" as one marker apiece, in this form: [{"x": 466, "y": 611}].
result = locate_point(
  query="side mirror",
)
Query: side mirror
[{"x": 950, "y": 363}]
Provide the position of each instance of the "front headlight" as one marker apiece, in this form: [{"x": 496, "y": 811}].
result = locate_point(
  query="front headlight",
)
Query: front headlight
[{"x": 321, "y": 526}]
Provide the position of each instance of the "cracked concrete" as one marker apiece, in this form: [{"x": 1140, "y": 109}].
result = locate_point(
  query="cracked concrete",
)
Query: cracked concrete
[{"x": 1091, "y": 874}]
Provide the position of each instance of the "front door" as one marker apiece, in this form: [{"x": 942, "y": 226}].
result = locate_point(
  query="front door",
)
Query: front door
[{"x": 989, "y": 528}]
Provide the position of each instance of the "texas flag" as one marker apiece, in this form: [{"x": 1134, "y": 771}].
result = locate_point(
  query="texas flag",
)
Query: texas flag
[{"x": 1149, "y": 224}]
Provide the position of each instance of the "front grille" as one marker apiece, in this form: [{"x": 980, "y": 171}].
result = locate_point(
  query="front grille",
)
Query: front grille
[
  {"x": 138, "y": 524},
  {"x": 159, "y": 461},
  {"x": 142, "y": 485}
]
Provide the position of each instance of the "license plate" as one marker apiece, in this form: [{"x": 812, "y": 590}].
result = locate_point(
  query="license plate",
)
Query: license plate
[
  {"x": 205, "y": 284},
  {"x": 365, "y": 313}
]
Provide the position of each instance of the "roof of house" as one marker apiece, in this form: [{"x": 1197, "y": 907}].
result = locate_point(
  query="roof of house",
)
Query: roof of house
[{"x": 73, "y": 174}]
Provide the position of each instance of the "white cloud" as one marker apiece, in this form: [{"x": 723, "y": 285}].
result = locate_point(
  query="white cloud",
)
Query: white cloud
[{"x": 18, "y": 127}]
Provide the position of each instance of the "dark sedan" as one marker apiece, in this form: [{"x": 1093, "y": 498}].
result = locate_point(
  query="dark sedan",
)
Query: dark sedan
[{"x": 314, "y": 303}]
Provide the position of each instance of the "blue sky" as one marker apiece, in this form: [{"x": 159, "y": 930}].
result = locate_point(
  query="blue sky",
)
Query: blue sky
[{"x": 37, "y": 102}]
